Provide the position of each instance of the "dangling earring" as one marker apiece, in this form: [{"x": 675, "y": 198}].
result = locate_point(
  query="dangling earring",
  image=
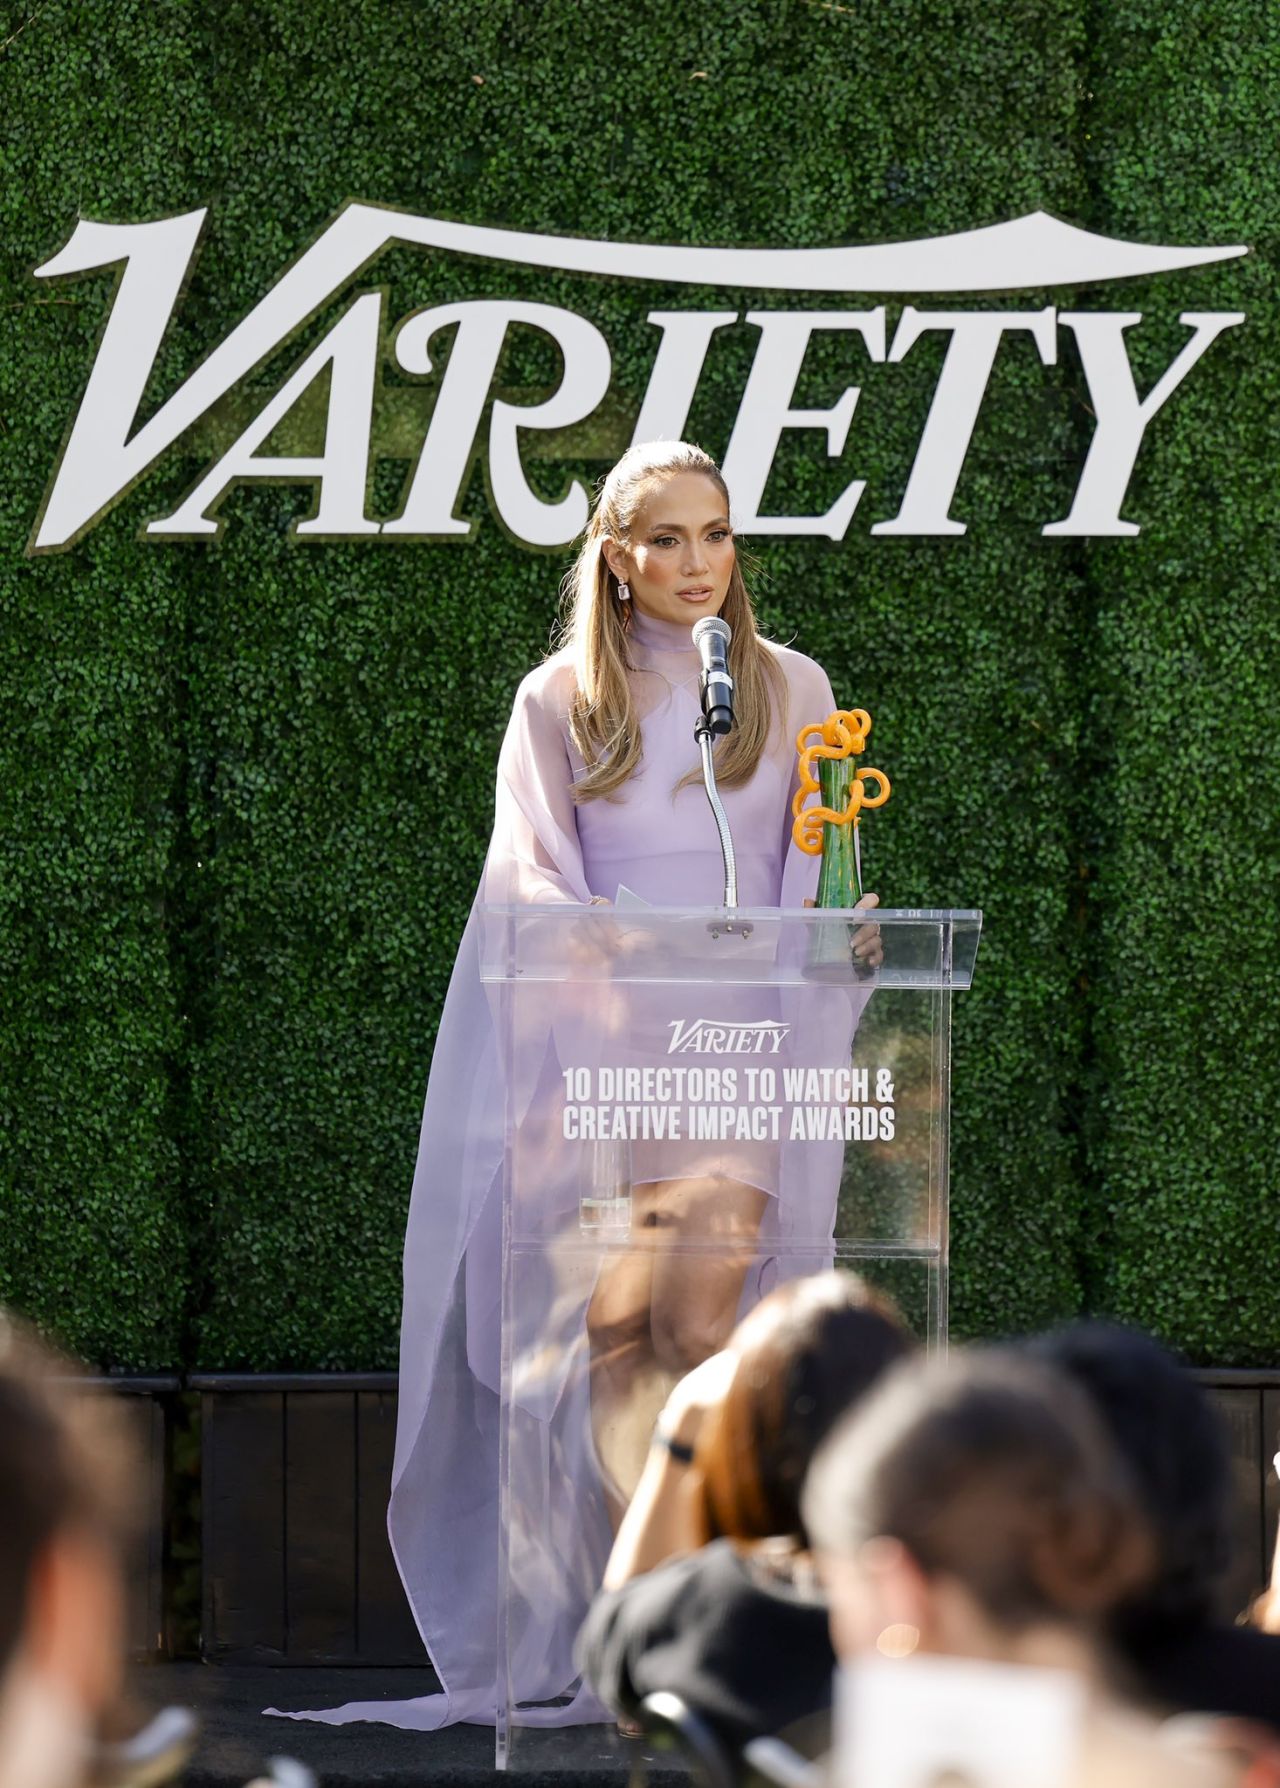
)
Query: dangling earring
[{"x": 624, "y": 594}]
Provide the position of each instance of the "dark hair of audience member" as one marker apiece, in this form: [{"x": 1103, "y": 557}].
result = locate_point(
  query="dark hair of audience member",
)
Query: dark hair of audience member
[
  {"x": 64, "y": 1465},
  {"x": 1175, "y": 1445},
  {"x": 994, "y": 1471},
  {"x": 805, "y": 1354}
]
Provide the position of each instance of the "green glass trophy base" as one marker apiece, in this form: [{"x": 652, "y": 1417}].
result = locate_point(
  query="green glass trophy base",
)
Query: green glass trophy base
[{"x": 839, "y": 882}]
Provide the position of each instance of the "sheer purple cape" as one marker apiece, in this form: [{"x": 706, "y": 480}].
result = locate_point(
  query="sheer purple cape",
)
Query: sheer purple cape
[{"x": 662, "y": 845}]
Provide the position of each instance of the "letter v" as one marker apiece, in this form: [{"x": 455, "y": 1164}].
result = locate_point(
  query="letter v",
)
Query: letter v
[{"x": 101, "y": 461}]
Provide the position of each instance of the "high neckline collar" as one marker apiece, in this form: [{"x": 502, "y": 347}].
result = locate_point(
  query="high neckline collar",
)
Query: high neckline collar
[{"x": 660, "y": 636}]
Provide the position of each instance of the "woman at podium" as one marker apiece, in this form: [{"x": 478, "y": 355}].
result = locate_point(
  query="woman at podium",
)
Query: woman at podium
[{"x": 598, "y": 799}]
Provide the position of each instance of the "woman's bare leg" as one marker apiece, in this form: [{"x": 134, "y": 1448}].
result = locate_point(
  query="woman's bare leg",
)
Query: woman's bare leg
[
  {"x": 627, "y": 1389},
  {"x": 711, "y": 1227},
  {"x": 660, "y": 1306}
]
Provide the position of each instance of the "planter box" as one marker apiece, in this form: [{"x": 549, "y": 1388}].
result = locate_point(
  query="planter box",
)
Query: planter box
[
  {"x": 1250, "y": 1402},
  {"x": 296, "y": 1472},
  {"x": 297, "y": 1565},
  {"x": 144, "y": 1405}
]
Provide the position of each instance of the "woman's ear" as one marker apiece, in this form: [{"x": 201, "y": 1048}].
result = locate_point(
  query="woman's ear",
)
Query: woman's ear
[
  {"x": 901, "y": 1595},
  {"x": 613, "y": 558},
  {"x": 876, "y": 1592},
  {"x": 75, "y": 1625}
]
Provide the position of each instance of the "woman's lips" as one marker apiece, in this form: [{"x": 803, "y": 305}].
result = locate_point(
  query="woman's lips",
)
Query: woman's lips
[{"x": 693, "y": 595}]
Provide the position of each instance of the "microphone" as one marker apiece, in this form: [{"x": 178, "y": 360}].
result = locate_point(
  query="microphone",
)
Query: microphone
[{"x": 711, "y": 636}]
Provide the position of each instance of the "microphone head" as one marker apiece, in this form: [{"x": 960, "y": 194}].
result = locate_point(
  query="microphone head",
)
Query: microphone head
[{"x": 711, "y": 626}]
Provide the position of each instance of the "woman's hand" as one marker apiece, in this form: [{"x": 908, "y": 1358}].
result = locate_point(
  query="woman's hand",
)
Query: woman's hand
[
  {"x": 587, "y": 944},
  {"x": 695, "y": 1396},
  {"x": 606, "y": 946},
  {"x": 868, "y": 947},
  {"x": 866, "y": 942}
]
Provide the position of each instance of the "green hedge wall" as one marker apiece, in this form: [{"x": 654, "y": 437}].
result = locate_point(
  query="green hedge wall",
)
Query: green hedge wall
[
  {"x": 1184, "y": 1161},
  {"x": 247, "y": 784}
]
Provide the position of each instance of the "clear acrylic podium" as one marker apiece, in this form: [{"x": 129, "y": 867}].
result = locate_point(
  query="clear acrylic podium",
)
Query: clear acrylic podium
[{"x": 699, "y": 1106}]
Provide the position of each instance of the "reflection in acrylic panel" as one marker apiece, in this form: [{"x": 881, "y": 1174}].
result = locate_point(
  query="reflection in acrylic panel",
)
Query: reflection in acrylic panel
[{"x": 886, "y": 1183}]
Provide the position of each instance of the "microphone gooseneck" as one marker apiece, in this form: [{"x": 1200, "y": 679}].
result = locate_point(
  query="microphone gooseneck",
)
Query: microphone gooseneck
[{"x": 711, "y": 636}]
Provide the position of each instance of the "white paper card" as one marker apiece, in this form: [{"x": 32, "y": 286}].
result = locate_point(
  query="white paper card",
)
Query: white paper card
[{"x": 931, "y": 1722}]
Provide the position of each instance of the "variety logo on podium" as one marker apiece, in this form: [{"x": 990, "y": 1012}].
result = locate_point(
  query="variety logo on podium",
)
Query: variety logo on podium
[
  {"x": 709, "y": 1036},
  {"x": 108, "y": 452}
]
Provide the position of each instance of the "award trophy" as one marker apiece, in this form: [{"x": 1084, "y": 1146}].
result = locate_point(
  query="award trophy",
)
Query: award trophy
[{"x": 831, "y": 827}]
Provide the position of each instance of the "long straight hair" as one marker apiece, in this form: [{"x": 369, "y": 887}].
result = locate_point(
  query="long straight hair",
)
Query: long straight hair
[
  {"x": 805, "y": 1355},
  {"x": 602, "y": 717}
]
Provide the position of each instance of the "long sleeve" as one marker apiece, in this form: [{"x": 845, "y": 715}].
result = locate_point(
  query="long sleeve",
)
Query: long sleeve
[{"x": 535, "y": 853}]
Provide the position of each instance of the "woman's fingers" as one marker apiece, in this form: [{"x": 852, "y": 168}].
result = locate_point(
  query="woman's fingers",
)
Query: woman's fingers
[
  {"x": 868, "y": 949},
  {"x": 867, "y": 945},
  {"x": 702, "y": 1389}
]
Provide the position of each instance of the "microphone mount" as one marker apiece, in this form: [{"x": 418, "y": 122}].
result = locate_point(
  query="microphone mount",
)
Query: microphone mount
[
  {"x": 703, "y": 734},
  {"x": 711, "y": 635}
]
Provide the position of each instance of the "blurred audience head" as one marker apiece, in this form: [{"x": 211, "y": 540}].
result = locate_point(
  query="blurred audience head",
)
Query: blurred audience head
[
  {"x": 969, "y": 1505},
  {"x": 64, "y": 1504},
  {"x": 804, "y": 1355},
  {"x": 1173, "y": 1441}
]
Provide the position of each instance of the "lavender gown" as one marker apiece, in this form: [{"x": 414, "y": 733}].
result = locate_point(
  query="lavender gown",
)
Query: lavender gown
[{"x": 443, "y": 1511}]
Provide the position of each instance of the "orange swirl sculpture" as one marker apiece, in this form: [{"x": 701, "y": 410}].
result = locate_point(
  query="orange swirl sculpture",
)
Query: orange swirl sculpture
[{"x": 841, "y": 736}]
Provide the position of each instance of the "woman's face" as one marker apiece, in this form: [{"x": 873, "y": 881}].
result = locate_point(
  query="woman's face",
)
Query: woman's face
[{"x": 681, "y": 553}]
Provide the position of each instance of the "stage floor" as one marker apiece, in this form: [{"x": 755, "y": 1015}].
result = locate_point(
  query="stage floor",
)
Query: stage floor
[{"x": 237, "y": 1739}]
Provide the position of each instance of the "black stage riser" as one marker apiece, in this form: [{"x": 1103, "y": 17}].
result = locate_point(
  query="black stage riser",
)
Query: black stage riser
[{"x": 296, "y": 1568}]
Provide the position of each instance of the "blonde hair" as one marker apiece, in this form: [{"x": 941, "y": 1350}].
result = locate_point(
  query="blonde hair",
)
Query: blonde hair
[{"x": 602, "y": 717}]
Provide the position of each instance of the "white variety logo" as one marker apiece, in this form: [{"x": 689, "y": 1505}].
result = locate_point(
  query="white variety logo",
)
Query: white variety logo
[
  {"x": 709, "y": 1036},
  {"x": 107, "y": 453}
]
